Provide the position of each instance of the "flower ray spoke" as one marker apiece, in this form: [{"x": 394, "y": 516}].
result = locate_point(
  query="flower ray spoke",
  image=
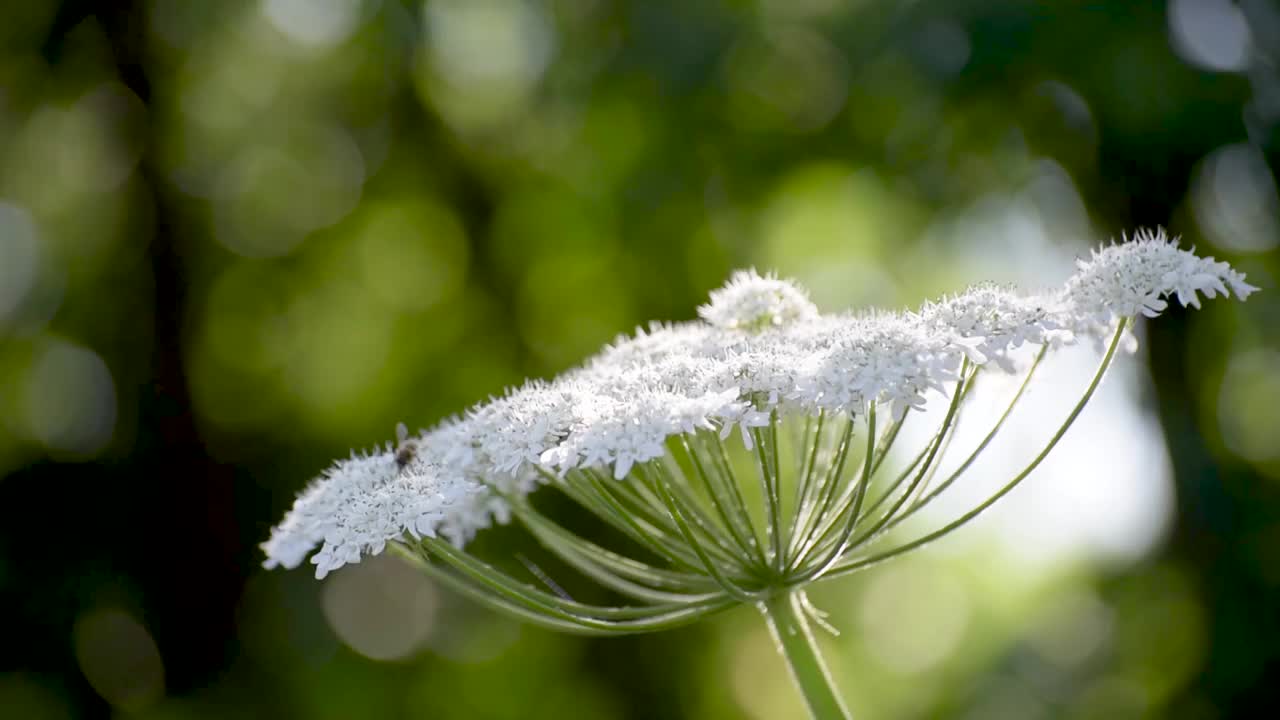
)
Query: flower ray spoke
[
  {"x": 843, "y": 520},
  {"x": 483, "y": 596},
  {"x": 597, "y": 616},
  {"x": 659, "y": 513},
  {"x": 590, "y": 494},
  {"x": 822, "y": 565},
  {"x": 925, "y": 499},
  {"x": 591, "y": 558},
  {"x": 948, "y": 427},
  {"x": 806, "y": 488},
  {"x": 813, "y": 508},
  {"x": 948, "y": 438},
  {"x": 733, "y": 516},
  {"x": 721, "y": 577},
  {"x": 708, "y": 527},
  {"x": 766, "y": 454},
  {"x": 720, "y": 459},
  {"x": 827, "y": 520},
  {"x": 858, "y": 564}
]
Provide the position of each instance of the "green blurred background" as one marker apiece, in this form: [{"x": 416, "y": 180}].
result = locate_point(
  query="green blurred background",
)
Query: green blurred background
[{"x": 239, "y": 237}]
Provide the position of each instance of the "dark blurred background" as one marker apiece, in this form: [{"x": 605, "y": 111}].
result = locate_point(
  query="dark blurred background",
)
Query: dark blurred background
[{"x": 239, "y": 237}]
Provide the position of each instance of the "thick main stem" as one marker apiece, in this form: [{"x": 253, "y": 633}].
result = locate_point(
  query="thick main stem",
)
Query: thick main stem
[{"x": 795, "y": 642}]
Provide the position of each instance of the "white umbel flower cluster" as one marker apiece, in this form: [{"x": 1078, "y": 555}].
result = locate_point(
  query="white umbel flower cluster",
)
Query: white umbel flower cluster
[
  {"x": 752, "y": 303},
  {"x": 761, "y": 348},
  {"x": 1135, "y": 278}
]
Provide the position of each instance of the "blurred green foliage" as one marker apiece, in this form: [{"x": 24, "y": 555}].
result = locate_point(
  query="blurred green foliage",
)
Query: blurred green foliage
[{"x": 238, "y": 238}]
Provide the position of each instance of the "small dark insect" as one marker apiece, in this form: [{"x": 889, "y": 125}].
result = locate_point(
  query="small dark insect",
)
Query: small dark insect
[{"x": 406, "y": 449}]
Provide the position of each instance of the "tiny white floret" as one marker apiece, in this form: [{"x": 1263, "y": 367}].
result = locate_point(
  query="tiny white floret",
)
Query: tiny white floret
[{"x": 752, "y": 302}]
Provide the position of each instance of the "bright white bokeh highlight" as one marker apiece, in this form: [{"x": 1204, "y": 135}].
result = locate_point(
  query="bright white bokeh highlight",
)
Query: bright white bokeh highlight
[
  {"x": 19, "y": 259},
  {"x": 314, "y": 23},
  {"x": 1211, "y": 34},
  {"x": 383, "y": 608},
  {"x": 913, "y": 617},
  {"x": 483, "y": 59},
  {"x": 489, "y": 41},
  {"x": 1235, "y": 201},
  {"x": 69, "y": 399},
  {"x": 119, "y": 658},
  {"x": 1249, "y": 405}
]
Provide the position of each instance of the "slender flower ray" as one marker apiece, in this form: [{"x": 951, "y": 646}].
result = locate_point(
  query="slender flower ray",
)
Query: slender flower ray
[
  {"x": 829, "y": 521},
  {"x": 657, "y": 435},
  {"x": 836, "y": 530},
  {"x": 935, "y": 466},
  {"x": 811, "y": 511},
  {"x": 948, "y": 425},
  {"x": 886, "y": 443},
  {"x": 605, "y": 573},
  {"x": 555, "y": 619},
  {"x": 776, "y": 522},
  {"x": 737, "y": 523},
  {"x": 591, "y": 496},
  {"x": 490, "y": 600},
  {"x": 595, "y": 616},
  {"x": 619, "y": 572},
  {"x": 640, "y": 499},
  {"x": 600, "y": 572},
  {"x": 766, "y": 444},
  {"x": 843, "y": 541},
  {"x": 672, "y": 539},
  {"x": 826, "y": 521},
  {"x": 854, "y": 565},
  {"x": 730, "y": 588},
  {"x": 695, "y": 508},
  {"x": 924, "y": 460},
  {"x": 569, "y": 545},
  {"x": 720, "y": 459},
  {"x": 806, "y": 487},
  {"x": 651, "y": 476},
  {"x": 995, "y": 430}
]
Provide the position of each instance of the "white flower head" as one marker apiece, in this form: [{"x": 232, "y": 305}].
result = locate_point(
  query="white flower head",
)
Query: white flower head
[
  {"x": 1134, "y": 278},
  {"x": 359, "y": 504},
  {"x": 751, "y": 302},
  {"x": 761, "y": 352},
  {"x": 987, "y": 321}
]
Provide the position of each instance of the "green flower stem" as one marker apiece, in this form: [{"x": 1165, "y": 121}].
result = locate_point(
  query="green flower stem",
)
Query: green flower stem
[{"x": 795, "y": 642}]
